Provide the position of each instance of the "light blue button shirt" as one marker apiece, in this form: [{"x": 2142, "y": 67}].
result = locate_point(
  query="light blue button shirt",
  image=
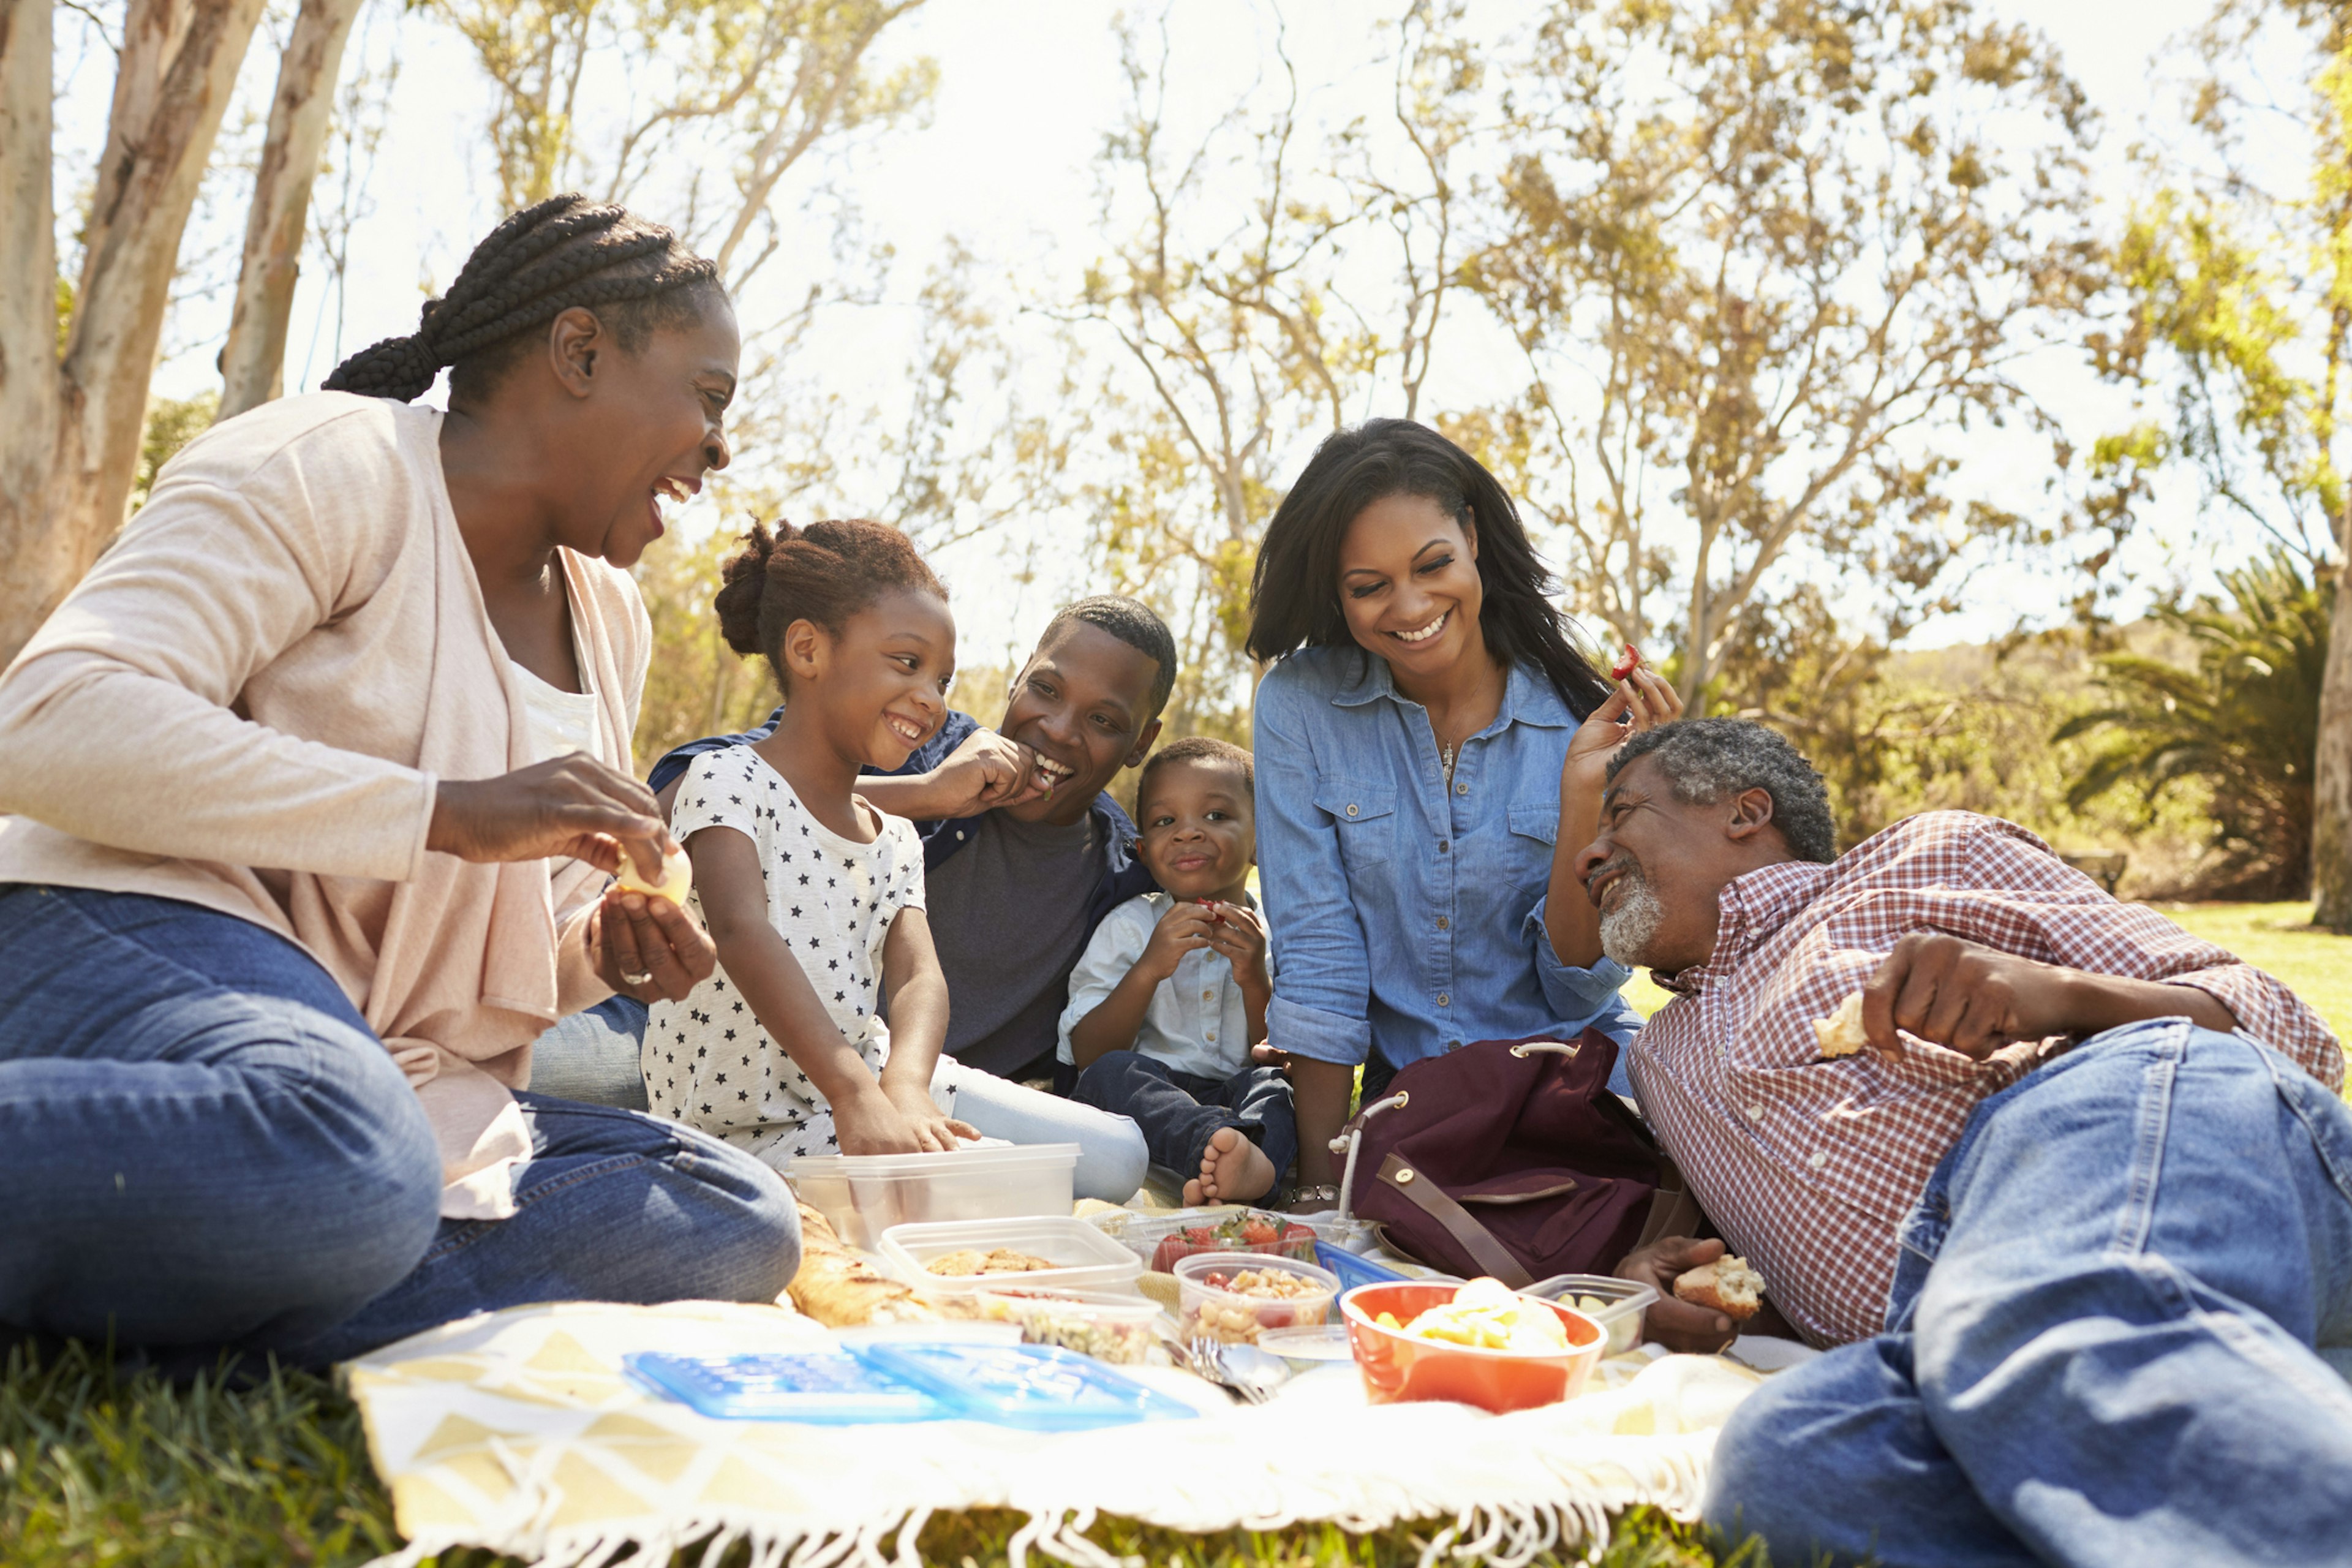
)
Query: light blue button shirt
[
  {"x": 1403, "y": 909},
  {"x": 1198, "y": 1022}
]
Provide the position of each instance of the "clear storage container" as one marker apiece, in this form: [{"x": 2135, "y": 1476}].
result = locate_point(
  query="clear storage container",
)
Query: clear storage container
[
  {"x": 1235, "y": 1296},
  {"x": 865, "y": 1195},
  {"x": 1108, "y": 1327},
  {"x": 1620, "y": 1306},
  {"x": 1077, "y": 1256}
]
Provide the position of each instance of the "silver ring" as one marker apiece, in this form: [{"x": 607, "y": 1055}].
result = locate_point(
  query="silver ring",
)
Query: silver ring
[{"x": 643, "y": 977}]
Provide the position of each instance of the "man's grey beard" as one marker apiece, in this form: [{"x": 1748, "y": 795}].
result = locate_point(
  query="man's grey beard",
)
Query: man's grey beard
[{"x": 1630, "y": 923}]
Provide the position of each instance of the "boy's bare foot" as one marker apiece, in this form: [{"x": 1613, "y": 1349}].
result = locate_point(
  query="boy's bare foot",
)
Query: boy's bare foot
[{"x": 1232, "y": 1171}]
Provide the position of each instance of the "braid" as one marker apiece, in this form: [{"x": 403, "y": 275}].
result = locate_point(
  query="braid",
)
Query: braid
[{"x": 565, "y": 252}]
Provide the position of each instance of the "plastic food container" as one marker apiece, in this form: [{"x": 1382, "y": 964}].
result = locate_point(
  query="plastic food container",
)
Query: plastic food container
[
  {"x": 1034, "y": 1388},
  {"x": 1620, "y": 1306},
  {"x": 1080, "y": 1256},
  {"x": 1108, "y": 1327},
  {"x": 1209, "y": 1305},
  {"x": 1323, "y": 1344},
  {"x": 865, "y": 1195},
  {"x": 1162, "y": 1240},
  {"x": 1398, "y": 1367}
]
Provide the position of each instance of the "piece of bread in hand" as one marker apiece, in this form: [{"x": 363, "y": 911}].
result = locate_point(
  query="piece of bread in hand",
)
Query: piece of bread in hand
[
  {"x": 1841, "y": 1034},
  {"x": 1727, "y": 1285}
]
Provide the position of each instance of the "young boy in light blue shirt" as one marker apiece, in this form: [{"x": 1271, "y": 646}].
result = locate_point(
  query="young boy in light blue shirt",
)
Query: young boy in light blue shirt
[{"x": 1171, "y": 992}]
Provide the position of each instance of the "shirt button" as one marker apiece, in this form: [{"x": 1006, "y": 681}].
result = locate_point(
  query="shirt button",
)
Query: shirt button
[
  {"x": 1754, "y": 1113},
  {"x": 1818, "y": 1158},
  {"x": 1462, "y": 789},
  {"x": 1208, "y": 996},
  {"x": 1351, "y": 811},
  {"x": 1443, "y": 846},
  {"x": 1453, "y": 1045},
  {"x": 1211, "y": 1034},
  {"x": 1443, "y": 1000},
  {"x": 1441, "y": 923}
]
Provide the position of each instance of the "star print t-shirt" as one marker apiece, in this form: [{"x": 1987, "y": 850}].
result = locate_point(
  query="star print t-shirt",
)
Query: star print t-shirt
[{"x": 707, "y": 1062}]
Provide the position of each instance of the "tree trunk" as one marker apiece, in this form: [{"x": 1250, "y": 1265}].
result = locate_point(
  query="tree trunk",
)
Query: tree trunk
[
  {"x": 2331, "y": 814},
  {"x": 70, "y": 421},
  {"x": 253, "y": 366}
]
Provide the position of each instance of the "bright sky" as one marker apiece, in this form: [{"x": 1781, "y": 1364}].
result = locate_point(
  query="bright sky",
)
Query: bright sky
[{"x": 1003, "y": 161}]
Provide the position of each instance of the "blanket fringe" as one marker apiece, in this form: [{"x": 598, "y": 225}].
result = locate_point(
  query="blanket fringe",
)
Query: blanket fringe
[{"x": 1505, "y": 1535}]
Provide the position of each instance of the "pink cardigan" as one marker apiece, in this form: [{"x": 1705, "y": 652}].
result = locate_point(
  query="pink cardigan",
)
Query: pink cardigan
[{"x": 246, "y": 704}]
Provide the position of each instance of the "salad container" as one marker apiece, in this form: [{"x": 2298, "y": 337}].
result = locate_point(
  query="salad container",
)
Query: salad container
[
  {"x": 1162, "y": 1240},
  {"x": 1620, "y": 1306},
  {"x": 1111, "y": 1328},
  {"x": 1399, "y": 1366},
  {"x": 1235, "y": 1297}
]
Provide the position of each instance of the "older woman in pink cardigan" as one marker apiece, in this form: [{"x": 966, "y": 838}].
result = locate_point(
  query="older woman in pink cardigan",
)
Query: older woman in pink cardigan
[{"x": 316, "y": 784}]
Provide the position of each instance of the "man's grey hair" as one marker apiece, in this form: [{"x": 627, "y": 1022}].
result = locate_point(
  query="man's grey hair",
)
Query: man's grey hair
[{"x": 1704, "y": 760}]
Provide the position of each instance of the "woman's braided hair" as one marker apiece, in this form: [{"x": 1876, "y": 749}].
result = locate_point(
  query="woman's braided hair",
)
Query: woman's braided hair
[
  {"x": 824, "y": 572},
  {"x": 541, "y": 262}
]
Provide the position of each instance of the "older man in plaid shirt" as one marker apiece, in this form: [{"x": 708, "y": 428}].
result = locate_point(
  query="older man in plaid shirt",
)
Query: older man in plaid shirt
[{"x": 2079, "y": 1218}]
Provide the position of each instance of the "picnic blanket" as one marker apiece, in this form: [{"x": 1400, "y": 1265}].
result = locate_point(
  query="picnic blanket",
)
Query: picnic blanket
[{"x": 518, "y": 1432}]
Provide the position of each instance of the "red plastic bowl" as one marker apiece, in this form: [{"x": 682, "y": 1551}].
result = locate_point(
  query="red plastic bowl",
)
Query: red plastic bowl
[{"x": 1398, "y": 1366}]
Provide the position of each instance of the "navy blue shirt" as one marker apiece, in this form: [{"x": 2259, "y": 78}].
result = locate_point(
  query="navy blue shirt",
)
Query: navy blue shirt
[{"x": 1124, "y": 877}]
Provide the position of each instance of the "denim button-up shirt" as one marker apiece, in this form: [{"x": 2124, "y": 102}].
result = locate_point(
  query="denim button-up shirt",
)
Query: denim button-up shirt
[{"x": 1404, "y": 910}]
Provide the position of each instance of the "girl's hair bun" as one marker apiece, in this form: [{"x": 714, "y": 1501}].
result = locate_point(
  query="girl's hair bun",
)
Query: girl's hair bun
[
  {"x": 743, "y": 581},
  {"x": 824, "y": 572}
]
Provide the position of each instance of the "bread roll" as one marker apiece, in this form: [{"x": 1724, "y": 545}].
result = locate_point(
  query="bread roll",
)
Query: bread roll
[
  {"x": 1841, "y": 1034},
  {"x": 841, "y": 1289},
  {"x": 1727, "y": 1285}
]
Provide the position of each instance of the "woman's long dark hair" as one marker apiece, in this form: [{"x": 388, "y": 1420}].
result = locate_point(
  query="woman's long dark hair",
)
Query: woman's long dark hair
[{"x": 1295, "y": 591}]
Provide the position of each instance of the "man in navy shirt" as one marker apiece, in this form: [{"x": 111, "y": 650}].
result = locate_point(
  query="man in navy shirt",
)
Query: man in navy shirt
[{"x": 1024, "y": 851}]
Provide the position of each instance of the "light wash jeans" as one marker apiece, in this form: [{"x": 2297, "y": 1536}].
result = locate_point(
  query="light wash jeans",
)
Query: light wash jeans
[
  {"x": 2104, "y": 1336},
  {"x": 203, "y": 1146},
  {"x": 595, "y": 1056}
]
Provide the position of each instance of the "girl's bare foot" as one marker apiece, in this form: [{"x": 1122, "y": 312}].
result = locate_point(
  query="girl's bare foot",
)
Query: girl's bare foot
[{"x": 1232, "y": 1171}]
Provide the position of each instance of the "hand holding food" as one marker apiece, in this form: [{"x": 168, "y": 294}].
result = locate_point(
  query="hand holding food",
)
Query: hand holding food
[
  {"x": 675, "y": 881},
  {"x": 1727, "y": 1285}
]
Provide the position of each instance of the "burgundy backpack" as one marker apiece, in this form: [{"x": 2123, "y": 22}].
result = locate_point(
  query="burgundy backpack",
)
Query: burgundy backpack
[{"x": 1511, "y": 1158}]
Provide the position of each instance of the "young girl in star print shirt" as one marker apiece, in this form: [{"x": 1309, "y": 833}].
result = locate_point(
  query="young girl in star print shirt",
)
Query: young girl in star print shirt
[{"x": 814, "y": 899}]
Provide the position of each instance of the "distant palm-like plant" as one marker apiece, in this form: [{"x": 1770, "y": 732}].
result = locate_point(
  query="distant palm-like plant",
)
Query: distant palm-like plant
[{"x": 2244, "y": 721}]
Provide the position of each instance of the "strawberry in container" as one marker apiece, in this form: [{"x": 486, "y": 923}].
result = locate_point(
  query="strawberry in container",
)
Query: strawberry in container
[{"x": 1254, "y": 1230}]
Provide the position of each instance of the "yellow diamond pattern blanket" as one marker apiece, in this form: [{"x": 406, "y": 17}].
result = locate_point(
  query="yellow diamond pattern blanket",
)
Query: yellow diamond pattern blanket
[{"x": 518, "y": 1432}]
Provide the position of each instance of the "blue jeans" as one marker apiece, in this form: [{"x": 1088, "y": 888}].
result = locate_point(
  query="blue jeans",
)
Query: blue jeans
[
  {"x": 1180, "y": 1111},
  {"x": 203, "y": 1145},
  {"x": 594, "y": 1055},
  {"x": 2104, "y": 1338}
]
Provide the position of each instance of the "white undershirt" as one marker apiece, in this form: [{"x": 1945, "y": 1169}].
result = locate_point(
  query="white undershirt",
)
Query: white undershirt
[{"x": 561, "y": 721}]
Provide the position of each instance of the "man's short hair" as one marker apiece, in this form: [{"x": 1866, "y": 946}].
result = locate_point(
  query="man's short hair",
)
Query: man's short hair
[
  {"x": 1197, "y": 749},
  {"x": 1132, "y": 622},
  {"x": 1704, "y": 760}
]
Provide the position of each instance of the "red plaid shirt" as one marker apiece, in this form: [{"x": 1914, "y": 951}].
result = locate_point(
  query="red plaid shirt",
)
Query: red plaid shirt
[{"x": 1809, "y": 1166}]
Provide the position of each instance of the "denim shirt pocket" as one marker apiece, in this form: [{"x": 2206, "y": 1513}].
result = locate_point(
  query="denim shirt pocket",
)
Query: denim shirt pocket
[
  {"x": 1534, "y": 832},
  {"x": 1365, "y": 815}
]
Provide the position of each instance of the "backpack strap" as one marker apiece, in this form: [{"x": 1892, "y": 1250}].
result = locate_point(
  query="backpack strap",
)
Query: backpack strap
[
  {"x": 1474, "y": 1238},
  {"x": 1673, "y": 1210}
]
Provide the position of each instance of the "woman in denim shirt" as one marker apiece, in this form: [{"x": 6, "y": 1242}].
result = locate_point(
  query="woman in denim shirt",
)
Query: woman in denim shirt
[{"x": 1430, "y": 753}]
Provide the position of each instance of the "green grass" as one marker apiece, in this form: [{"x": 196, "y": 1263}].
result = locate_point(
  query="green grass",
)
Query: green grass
[
  {"x": 2281, "y": 941},
  {"x": 98, "y": 1469}
]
